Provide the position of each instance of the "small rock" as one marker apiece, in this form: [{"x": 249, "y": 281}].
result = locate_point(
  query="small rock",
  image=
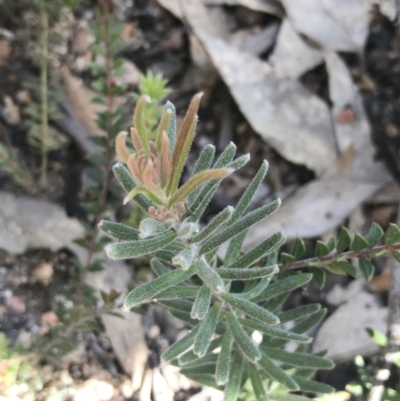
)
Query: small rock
[
  {"x": 11, "y": 111},
  {"x": 43, "y": 273},
  {"x": 130, "y": 76},
  {"x": 24, "y": 96},
  {"x": 24, "y": 339},
  {"x": 94, "y": 390},
  {"x": 82, "y": 41},
  {"x": 50, "y": 318},
  {"x": 16, "y": 304}
]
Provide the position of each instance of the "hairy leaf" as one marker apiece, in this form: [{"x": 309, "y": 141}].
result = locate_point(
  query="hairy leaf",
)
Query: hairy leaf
[
  {"x": 183, "y": 259},
  {"x": 224, "y": 359},
  {"x": 359, "y": 243},
  {"x": 367, "y": 268},
  {"x": 318, "y": 275},
  {"x": 234, "y": 383},
  {"x": 247, "y": 274},
  {"x": 298, "y": 248},
  {"x": 178, "y": 293},
  {"x": 251, "y": 309},
  {"x": 180, "y": 346},
  {"x": 118, "y": 231},
  {"x": 344, "y": 240},
  {"x": 140, "y": 123},
  {"x": 148, "y": 291},
  {"x": 135, "y": 249},
  {"x": 234, "y": 247},
  {"x": 321, "y": 249},
  {"x": 206, "y": 330},
  {"x": 190, "y": 357},
  {"x": 150, "y": 227},
  {"x": 256, "y": 382},
  {"x": 182, "y": 305},
  {"x": 375, "y": 234},
  {"x": 242, "y": 339},
  {"x": 201, "y": 303},
  {"x": 158, "y": 267},
  {"x": 209, "y": 276},
  {"x": 239, "y": 226},
  {"x": 312, "y": 386},
  {"x": 171, "y": 132},
  {"x": 392, "y": 234}
]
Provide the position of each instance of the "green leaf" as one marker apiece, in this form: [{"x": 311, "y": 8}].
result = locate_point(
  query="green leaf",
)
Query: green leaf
[
  {"x": 201, "y": 304},
  {"x": 203, "y": 163},
  {"x": 242, "y": 339},
  {"x": 287, "y": 258},
  {"x": 178, "y": 293},
  {"x": 233, "y": 251},
  {"x": 312, "y": 386},
  {"x": 318, "y": 275},
  {"x": 172, "y": 134},
  {"x": 321, "y": 249},
  {"x": 209, "y": 276},
  {"x": 359, "y": 243},
  {"x": 344, "y": 240},
  {"x": 184, "y": 259},
  {"x": 239, "y": 226},
  {"x": 149, "y": 227},
  {"x": 148, "y": 291},
  {"x": 180, "y": 305},
  {"x": 127, "y": 182},
  {"x": 251, "y": 309},
  {"x": 347, "y": 267},
  {"x": 392, "y": 234},
  {"x": 189, "y": 358},
  {"x": 256, "y": 382},
  {"x": 298, "y": 248},
  {"x": 284, "y": 285},
  {"x": 180, "y": 346},
  {"x": 274, "y": 332},
  {"x": 118, "y": 231},
  {"x": 202, "y": 369},
  {"x": 378, "y": 337},
  {"x": 247, "y": 274},
  {"x": 205, "y": 380},
  {"x": 298, "y": 358},
  {"x": 288, "y": 397},
  {"x": 224, "y": 359},
  {"x": 158, "y": 267},
  {"x": 135, "y": 249},
  {"x": 260, "y": 251},
  {"x": 232, "y": 388},
  {"x": 213, "y": 225},
  {"x": 367, "y": 268},
  {"x": 374, "y": 235},
  {"x": 206, "y": 330},
  {"x": 248, "y": 195},
  {"x": 277, "y": 373},
  {"x": 331, "y": 244}
]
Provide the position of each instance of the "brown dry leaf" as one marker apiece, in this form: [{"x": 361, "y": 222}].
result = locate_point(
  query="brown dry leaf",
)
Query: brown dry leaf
[
  {"x": 334, "y": 24},
  {"x": 380, "y": 283}
]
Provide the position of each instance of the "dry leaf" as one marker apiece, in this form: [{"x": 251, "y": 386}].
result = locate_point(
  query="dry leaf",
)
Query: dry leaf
[
  {"x": 334, "y": 24},
  {"x": 292, "y": 55}
]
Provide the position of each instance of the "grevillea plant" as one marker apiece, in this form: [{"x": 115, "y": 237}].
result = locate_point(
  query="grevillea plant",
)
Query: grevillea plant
[{"x": 198, "y": 286}]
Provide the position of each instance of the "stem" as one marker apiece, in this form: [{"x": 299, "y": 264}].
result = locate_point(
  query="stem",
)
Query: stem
[
  {"x": 106, "y": 23},
  {"x": 44, "y": 92},
  {"x": 326, "y": 260}
]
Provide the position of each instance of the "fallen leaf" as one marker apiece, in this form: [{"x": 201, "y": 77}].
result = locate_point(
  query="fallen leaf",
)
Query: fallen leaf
[
  {"x": 334, "y": 24},
  {"x": 292, "y": 55},
  {"x": 380, "y": 283}
]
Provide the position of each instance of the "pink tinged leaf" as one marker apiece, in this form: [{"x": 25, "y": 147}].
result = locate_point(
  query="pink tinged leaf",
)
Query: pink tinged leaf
[
  {"x": 197, "y": 180},
  {"x": 140, "y": 123},
  {"x": 132, "y": 164},
  {"x": 153, "y": 150},
  {"x": 165, "y": 160},
  {"x": 141, "y": 162},
  {"x": 120, "y": 147},
  {"x": 184, "y": 142},
  {"x": 137, "y": 144},
  {"x": 163, "y": 126},
  {"x": 144, "y": 191},
  {"x": 150, "y": 179}
]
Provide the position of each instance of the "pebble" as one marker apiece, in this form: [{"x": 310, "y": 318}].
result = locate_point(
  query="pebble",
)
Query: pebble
[
  {"x": 16, "y": 304},
  {"x": 43, "y": 273}
]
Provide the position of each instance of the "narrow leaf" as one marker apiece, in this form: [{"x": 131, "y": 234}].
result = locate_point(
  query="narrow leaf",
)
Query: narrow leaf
[
  {"x": 178, "y": 293},
  {"x": 247, "y": 274},
  {"x": 144, "y": 192},
  {"x": 392, "y": 234},
  {"x": 248, "y": 195},
  {"x": 367, "y": 268},
  {"x": 375, "y": 234},
  {"x": 224, "y": 359},
  {"x": 149, "y": 227},
  {"x": 181, "y": 305},
  {"x": 140, "y": 123},
  {"x": 118, "y": 231},
  {"x": 251, "y": 309},
  {"x": 274, "y": 332},
  {"x": 298, "y": 248},
  {"x": 344, "y": 240},
  {"x": 260, "y": 251},
  {"x": 183, "y": 143},
  {"x": 359, "y": 243},
  {"x": 163, "y": 128},
  {"x": 298, "y": 358},
  {"x": 201, "y": 303},
  {"x": 206, "y": 330},
  {"x": 213, "y": 225},
  {"x": 234, "y": 384},
  {"x": 135, "y": 249},
  {"x": 203, "y": 163},
  {"x": 184, "y": 259},
  {"x": 312, "y": 386},
  {"x": 242, "y": 339},
  {"x": 234, "y": 248},
  {"x": 189, "y": 358},
  {"x": 256, "y": 382},
  {"x": 284, "y": 285},
  {"x": 148, "y": 291},
  {"x": 239, "y": 226},
  {"x": 171, "y": 131},
  {"x": 120, "y": 147},
  {"x": 127, "y": 182},
  {"x": 182, "y": 193},
  {"x": 158, "y": 267},
  {"x": 181, "y": 345},
  {"x": 277, "y": 373},
  {"x": 209, "y": 276}
]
